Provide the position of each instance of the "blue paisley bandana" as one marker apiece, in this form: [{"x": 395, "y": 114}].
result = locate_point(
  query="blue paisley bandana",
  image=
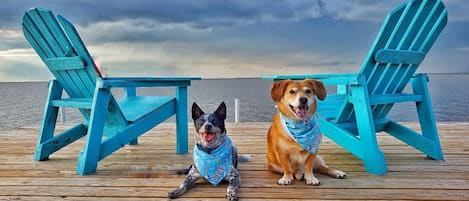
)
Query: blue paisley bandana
[
  {"x": 216, "y": 165},
  {"x": 306, "y": 133}
]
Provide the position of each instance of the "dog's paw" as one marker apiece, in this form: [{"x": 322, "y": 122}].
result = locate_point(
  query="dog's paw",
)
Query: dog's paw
[
  {"x": 312, "y": 181},
  {"x": 339, "y": 174},
  {"x": 231, "y": 194},
  {"x": 284, "y": 181},
  {"x": 174, "y": 194}
]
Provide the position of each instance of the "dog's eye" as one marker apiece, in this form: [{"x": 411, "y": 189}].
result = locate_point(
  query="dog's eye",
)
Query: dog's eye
[
  {"x": 291, "y": 91},
  {"x": 308, "y": 91},
  {"x": 211, "y": 120}
]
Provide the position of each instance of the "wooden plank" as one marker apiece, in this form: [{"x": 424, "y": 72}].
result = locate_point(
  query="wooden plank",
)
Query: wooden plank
[
  {"x": 206, "y": 191},
  {"x": 267, "y": 182},
  {"x": 399, "y": 56},
  {"x": 64, "y": 63}
]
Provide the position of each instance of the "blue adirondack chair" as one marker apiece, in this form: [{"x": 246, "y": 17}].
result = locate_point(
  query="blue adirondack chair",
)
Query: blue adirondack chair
[
  {"x": 359, "y": 110},
  {"x": 108, "y": 123}
]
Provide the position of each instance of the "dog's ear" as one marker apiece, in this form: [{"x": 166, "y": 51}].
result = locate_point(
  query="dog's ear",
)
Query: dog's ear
[
  {"x": 278, "y": 89},
  {"x": 221, "y": 111},
  {"x": 196, "y": 111},
  {"x": 319, "y": 88}
]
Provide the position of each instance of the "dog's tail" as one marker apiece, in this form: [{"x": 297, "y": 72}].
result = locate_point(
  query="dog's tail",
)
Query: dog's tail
[{"x": 244, "y": 157}]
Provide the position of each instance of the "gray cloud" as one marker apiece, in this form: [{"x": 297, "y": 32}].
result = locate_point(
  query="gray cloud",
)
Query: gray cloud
[
  {"x": 458, "y": 10},
  {"x": 135, "y": 30},
  {"x": 22, "y": 71},
  {"x": 235, "y": 38},
  {"x": 200, "y": 14},
  {"x": 204, "y": 14},
  {"x": 12, "y": 39},
  {"x": 361, "y": 10}
]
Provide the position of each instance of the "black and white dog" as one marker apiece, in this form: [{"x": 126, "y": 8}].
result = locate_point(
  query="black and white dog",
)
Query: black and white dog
[{"x": 215, "y": 157}]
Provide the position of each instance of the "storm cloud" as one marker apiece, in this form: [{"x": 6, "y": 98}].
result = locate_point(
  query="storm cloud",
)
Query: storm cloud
[{"x": 232, "y": 38}]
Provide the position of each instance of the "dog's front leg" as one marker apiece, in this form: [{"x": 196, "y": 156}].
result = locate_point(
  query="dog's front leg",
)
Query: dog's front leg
[
  {"x": 188, "y": 183},
  {"x": 287, "y": 171},
  {"x": 309, "y": 175},
  {"x": 235, "y": 181}
]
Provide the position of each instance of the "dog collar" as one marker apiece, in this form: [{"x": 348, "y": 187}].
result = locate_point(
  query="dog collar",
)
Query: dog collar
[
  {"x": 306, "y": 133},
  {"x": 216, "y": 165}
]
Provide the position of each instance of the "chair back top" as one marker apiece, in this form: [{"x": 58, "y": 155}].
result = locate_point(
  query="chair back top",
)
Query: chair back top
[
  {"x": 406, "y": 36},
  {"x": 58, "y": 44},
  {"x": 60, "y": 47}
]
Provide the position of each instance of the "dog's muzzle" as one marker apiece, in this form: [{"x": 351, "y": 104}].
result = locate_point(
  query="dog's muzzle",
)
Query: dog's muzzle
[{"x": 301, "y": 111}]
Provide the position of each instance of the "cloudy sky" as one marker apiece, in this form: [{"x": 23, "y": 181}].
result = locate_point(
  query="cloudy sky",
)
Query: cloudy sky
[{"x": 219, "y": 39}]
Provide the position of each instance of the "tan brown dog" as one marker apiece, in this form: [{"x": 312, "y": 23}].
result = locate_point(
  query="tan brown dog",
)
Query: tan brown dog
[{"x": 288, "y": 154}]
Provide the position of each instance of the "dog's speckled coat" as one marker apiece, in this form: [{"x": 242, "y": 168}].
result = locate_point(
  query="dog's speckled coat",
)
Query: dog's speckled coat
[{"x": 211, "y": 127}]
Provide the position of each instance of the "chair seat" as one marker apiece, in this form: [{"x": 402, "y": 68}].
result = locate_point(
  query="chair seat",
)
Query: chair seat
[
  {"x": 330, "y": 107},
  {"x": 136, "y": 107}
]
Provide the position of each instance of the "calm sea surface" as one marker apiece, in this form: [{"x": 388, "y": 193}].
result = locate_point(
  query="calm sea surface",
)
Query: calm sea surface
[{"x": 22, "y": 104}]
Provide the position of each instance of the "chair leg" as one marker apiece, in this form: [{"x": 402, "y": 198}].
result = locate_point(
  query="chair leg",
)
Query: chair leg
[
  {"x": 89, "y": 157},
  {"x": 182, "y": 138},
  {"x": 131, "y": 91},
  {"x": 134, "y": 142},
  {"x": 412, "y": 138},
  {"x": 63, "y": 139},
  {"x": 48, "y": 121},
  {"x": 426, "y": 117},
  {"x": 373, "y": 158}
]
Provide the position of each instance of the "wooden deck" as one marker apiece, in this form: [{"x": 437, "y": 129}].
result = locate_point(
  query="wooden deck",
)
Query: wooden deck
[{"x": 143, "y": 172}]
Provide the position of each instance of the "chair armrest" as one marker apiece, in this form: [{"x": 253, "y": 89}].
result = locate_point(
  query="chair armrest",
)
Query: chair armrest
[
  {"x": 327, "y": 79},
  {"x": 109, "y": 82}
]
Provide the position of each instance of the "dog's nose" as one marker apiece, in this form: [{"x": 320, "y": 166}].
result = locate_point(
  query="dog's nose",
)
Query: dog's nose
[
  {"x": 208, "y": 127},
  {"x": 303, "y": 100}
]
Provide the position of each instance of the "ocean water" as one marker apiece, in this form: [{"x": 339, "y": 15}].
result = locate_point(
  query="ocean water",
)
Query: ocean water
[{"x": 22, "y": 104}]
